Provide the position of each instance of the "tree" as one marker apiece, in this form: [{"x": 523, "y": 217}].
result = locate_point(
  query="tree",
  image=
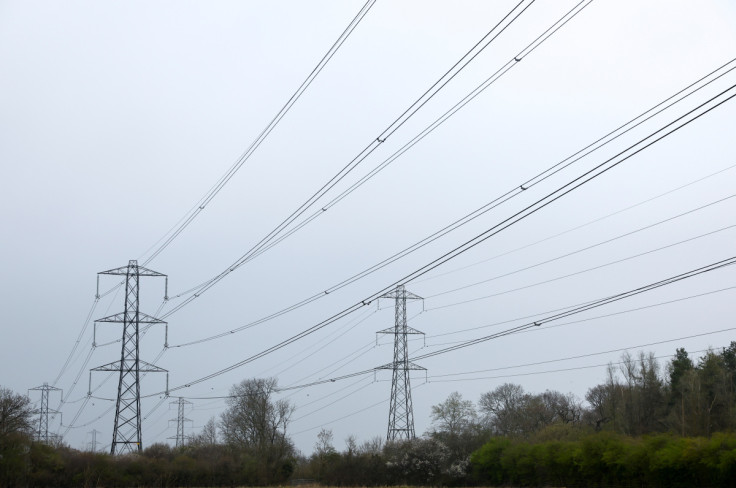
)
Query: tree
[
  {"x": 501, "y": 407},
  {"x": 679, "y": 368},
  {"x": 561, "y": 408},
  {"x": 15, "y": 414},
  {"x": 325, "y": 453},
  {"x": 324, "y": 446},
  {"x": 207, "y": 436},
  {"x": 255, "y": 424},
  {"x": 679, "y": 365},
  {"x": 454, "y": 415},
  {"x": 598, "y": 399},
  {"x": 509, "y": 411},
  {"x": 15, "y": 437}
]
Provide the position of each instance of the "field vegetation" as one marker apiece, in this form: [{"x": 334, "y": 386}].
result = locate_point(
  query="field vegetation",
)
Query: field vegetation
[{"x": 643, "y": 426}]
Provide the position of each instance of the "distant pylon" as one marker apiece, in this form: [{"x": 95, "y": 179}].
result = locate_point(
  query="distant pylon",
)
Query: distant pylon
[
  {"x": 401, "y": 411},
  {"x": 180, "y": 420},
  {"x": 42, "y": 432},
  {"x": 126, "y": 435},
  {"x": 93, "y": 444}
]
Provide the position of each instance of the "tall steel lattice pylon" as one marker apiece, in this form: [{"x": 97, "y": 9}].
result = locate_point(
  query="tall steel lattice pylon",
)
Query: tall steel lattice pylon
[
  {"x": 126, "y": 435},
  {"x": 93, "y": 443},
  {"x": 42, "y": 432},
  {"x": 180, "y": 421},
  {"x": 401, "y": 411}
]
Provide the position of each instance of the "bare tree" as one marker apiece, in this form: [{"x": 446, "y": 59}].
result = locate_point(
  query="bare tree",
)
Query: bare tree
[
  {"x": 373, "y": 446},
  {"x": 351, "y": 445},
  {"x": 207, "y": 436},
  {"x": 15, "y": 414},
  {"x": 501, "y": 408},
  {"x": 256, "y": 424},
  {"x": 324, "y": 446},
  {"x": 454, "y": 415}
]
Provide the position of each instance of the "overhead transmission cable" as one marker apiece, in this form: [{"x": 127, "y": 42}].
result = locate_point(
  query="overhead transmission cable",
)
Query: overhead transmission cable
[
  {"x": 578, "y": 227},
  {"x": 359, "y": 17},
  {"x": 572, "y": 13},
  {"x": 70, "y": 390},
  {"x": 76, "y": 343},
  {"x": 586, "y": 355},
  {"x": 591, "y": 246},
  {"x": 577, "y": 156},
  {"x": 563, "y": 190},
  {"x": 450, "y": 74},
  {"x": 540, "y": 322},
  {"x": 584, "y": 308},
  {"x": 335, "y": 392},
  {"x": 349, "y": 394},
  {"x": 430, "y": 336},
  {"x": 562, "y": 370},
  {"x": 567, "y": 275},
  {"x": 329, "y": 340},
  {"x": 587, "y": 319},
  {"x": 199, "y": 207},
  {"x": 86, "y": 323}
]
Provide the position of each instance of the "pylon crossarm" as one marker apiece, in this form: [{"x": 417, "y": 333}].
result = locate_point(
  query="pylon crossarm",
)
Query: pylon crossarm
[
  {"x": 150, "y": 368},
  {"x": 400, "y": 366},
  {"x": 394, "y": 294},
  {"x": 124, "y": 270},
  {"x": 114, "y": 366},
  {"x": 392, "y": 330},
  {"x": 143, "y": 318}
]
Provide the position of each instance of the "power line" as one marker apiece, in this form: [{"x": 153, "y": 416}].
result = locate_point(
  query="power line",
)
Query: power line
[
  {"x": 86, "y": 323},
  {"x": 527, "y": 50},
  {"x": 356, "y": 322},
  {"x": 587, "y": 355},
  {"x": 588, "y": 319},
  {"x": 568, "y": 275},
  {"x": 360, "y": 388},
  {"x": 584, "y": 308},
  {"x": 551, "y": 318},
  {"x": 592, "y": 246},
  {"x": 524, "y": 186},
  {"x": 98, "y": 296},
  {"x": 435, "y": 380},
  {"x": 562, "y": 370},
  {"x": 356, "y": 412},
  {"x": 589, "y": 175},
  {"x": 581, "y": 226},
  {"x": 442, "y": 119},
  {"x": 479, "y": 47},
  {"x": 600, "y": 142},
  {"x": 79, "y": 338},
  {"x": 184, "y": 222}
]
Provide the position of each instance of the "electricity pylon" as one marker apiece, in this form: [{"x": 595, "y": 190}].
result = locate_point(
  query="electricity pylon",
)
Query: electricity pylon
[
  {"x": 180, "y": 419},
  {"x": 126, "y": 435},
  {"x": 42, "y": 433},
  {"x": 93, "y": 444},
  {"x": 401, "y": 411}
]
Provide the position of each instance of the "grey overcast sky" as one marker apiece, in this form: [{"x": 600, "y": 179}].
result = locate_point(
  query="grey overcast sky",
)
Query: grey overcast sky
[{"x": 117, "y": 117}]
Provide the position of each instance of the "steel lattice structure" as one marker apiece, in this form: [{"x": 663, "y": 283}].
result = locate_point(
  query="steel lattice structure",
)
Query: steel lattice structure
[
  {"x": 93, "y": 444},
  {"x": 180, "y": 420},
  {"x": 126, "y": 436},
  {"x": 401, "y": 411},
  {"x": 42, "y": 433}
]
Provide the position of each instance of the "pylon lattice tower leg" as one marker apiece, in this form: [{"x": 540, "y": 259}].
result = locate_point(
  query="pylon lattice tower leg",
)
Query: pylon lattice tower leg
[
  {"x": 126, "y": 435},
  {"x": 401, "y": 411}
]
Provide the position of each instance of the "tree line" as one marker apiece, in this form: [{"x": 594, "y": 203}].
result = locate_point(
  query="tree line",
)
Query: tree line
[{"x": 643, "y": 425}]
